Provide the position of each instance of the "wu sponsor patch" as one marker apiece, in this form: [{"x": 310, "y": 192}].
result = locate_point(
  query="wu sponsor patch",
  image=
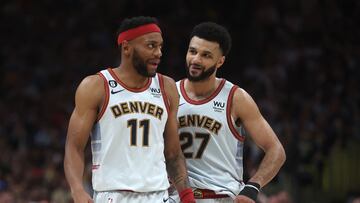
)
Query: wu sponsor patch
[
  {"x": 155, "y": 92},
  {"x": 219, "y": 106}
]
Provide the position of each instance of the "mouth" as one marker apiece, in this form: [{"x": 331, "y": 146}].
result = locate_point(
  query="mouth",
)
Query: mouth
[
  {"x": 195, "y": 68},
  {"x": 154, "y": 63}
]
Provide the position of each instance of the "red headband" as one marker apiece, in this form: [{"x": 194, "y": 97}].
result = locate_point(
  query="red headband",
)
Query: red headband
[{"x": 136, "y": 32}]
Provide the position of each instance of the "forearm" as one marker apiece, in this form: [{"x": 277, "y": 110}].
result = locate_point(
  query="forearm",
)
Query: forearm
[
  {"x": 176, "y": 168},
  {"x": 270, "y": 165},
  {"x": 74, "y": 169}
]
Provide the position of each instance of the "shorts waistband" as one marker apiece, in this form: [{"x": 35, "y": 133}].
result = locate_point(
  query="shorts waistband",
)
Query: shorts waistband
[{"x": 207, "y": 194}]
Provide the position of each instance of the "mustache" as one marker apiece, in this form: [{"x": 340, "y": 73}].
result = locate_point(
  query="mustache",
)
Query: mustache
[
  {"x": 195, "y": 65},
  {"x": 154, "y": 60}
]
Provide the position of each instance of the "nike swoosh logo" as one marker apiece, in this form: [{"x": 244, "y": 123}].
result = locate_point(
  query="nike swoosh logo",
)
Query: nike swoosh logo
[
  {"x": 165, "y": 199},
  {"x": 114, "y": 92},
  {"x": 181, "y": 104}
]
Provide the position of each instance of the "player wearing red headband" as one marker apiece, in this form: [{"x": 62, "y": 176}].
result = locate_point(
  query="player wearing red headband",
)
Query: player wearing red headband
[{"x": 130, "y": 112}]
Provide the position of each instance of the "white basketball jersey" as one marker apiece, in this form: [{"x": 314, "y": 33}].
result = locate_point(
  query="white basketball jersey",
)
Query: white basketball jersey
[
  {"x": 210, "y": 140},
  {"x": 127, "y": 140}
]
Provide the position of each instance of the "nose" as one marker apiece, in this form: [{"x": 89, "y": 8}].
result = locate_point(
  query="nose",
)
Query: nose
[
  {"x": 158, "y": 52},
  {"x": 196, "y": 59}
]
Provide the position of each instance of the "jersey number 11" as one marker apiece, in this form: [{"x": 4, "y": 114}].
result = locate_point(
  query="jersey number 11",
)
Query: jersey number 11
[{"x": 133, "y": 125}]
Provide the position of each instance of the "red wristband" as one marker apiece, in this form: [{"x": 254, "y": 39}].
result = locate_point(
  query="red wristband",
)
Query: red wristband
[{"x": 187, "y": 196}]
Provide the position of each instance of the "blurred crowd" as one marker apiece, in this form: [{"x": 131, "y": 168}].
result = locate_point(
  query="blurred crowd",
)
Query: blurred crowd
[{"x": 299, "y": 59}]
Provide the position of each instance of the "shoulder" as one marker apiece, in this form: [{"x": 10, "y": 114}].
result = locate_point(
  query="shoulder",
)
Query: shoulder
[
  {"x": 167, "y": 80},
  {"x": 240, "y": 95},
  {"x": 244, "y": 105},
  {"x": 170, "y": 89},
  {"x": 91, "y": 83},
  {"x": 91, "y": 80},
  {"x": 91, "y": 88},
  {"x": 169, "y": 84}
]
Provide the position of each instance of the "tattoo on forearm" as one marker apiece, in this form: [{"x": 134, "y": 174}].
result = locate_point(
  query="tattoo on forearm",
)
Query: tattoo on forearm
[{"x": 176, "y": 169}]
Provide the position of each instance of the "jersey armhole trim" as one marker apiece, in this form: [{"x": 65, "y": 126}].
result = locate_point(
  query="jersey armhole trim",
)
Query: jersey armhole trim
[
  {"x": 236, "y": 134},
  {"x": 165, "y": 98},
  {"x": 106, "y": 101}
]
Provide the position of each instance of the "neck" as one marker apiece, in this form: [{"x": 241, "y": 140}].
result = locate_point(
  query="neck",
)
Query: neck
[
  {"x": 201, "y": 89},
  {"x": 128, "y": 75}
]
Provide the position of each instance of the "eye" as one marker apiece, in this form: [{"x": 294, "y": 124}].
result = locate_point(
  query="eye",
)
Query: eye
[
  {"x": 207, "y": 55},
  {"x": 192, "y": 51},
  {"x": 151, "y": 45}
]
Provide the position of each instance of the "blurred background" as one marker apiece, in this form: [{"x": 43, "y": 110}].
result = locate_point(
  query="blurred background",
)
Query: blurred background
[{"x": 299, "y": 59}]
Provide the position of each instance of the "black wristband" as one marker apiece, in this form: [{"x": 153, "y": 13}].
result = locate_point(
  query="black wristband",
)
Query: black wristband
[{"x": 251, "y": 190}]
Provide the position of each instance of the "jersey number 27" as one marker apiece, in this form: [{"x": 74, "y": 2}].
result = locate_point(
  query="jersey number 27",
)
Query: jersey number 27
[{"x": 187, "y": 140}]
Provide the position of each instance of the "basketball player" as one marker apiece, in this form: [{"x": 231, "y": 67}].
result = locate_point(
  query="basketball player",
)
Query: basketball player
[
  {"x": 212, "y": 112},
  {"x": 130, "y": 112}
]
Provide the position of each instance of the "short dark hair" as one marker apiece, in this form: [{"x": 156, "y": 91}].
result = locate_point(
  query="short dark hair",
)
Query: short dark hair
[
  {"x": 213, "y": 32},
  {"x": 129, "y": 23}
]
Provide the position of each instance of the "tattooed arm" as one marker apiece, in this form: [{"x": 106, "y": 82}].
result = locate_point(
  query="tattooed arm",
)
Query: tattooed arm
[
  {"x": 175, "y": 161},
  {"x": 177, "y": 171}
]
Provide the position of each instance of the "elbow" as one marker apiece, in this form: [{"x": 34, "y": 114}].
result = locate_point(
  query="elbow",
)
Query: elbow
[
  {"x": 277, "y": 153},
  {"x": 66, "y": 160},
  {"x": 282, "y": 154}
]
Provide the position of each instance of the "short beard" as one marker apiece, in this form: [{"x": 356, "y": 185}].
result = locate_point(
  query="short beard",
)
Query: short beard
[
  {"x": 203, "y": 76},
  {"x": 140, "y": 65}
]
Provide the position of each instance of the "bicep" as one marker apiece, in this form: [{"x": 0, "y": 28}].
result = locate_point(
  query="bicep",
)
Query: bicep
[
  {"x": 80, "y": 125},
  {"x": 255, "y": 124},
  {"x": 261, "y": 132},
  {"x": 87, "y": 99}
]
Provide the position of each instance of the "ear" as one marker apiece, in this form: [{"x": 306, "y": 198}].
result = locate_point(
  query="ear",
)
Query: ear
[
  {"x": 220, "y": 62},
  {"x": 126, "y": 48}
]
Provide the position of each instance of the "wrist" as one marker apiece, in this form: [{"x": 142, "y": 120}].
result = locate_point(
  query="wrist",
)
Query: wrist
[
  {"x": 250, "y": 190},
  {"x": 187, "y": 196}
]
